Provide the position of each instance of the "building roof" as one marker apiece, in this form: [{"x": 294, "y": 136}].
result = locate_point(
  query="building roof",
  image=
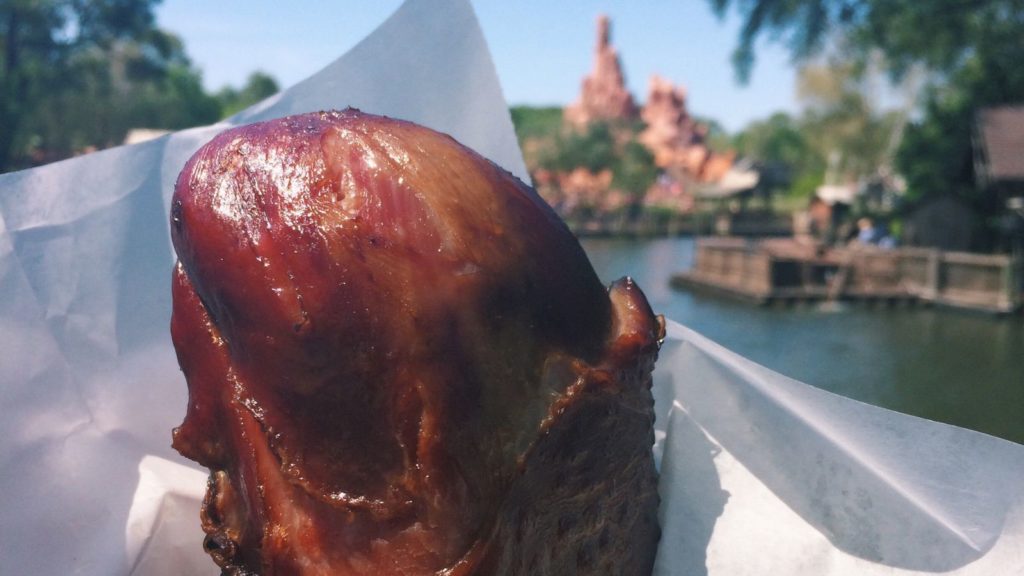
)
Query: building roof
[
  {"x": 736, "y": 180},
  {"x": 833, "y": 193},
  {"x": 1001, "y": 142}
]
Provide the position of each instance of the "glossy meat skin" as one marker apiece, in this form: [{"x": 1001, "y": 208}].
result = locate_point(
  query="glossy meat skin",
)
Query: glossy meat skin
[{"x": 400, "y": 361}]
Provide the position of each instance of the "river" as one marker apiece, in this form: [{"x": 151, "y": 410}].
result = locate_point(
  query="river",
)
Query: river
[{"x": 957, "y": 367}]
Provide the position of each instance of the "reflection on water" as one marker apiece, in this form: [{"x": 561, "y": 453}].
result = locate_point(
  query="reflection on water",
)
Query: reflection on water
[{"x": 962, "y": 368}]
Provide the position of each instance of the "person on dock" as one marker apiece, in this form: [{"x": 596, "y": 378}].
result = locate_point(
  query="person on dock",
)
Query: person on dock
[{"x": 870, "y": 234}]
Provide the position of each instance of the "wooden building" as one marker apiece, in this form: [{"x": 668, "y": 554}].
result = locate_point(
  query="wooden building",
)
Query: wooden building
[{"x": 999, "y": 168}]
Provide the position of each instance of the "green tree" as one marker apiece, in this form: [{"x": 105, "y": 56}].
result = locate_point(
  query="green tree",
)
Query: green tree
[
  {"x": 634, "y": 170},
  {"x": 536, "y": 122},
  {"x": 937, "y": 34},
  {"x": 607, "y": 146},
  {"x": 40, "y": 40},
  {"x": 258, "y": 86},
  {"x": 539, "y": 130},
  {"x": 971, "y": 52},
  {"x": 780, "y": 148},
  {"x": 718, "y": 138},
  {"x": 593, "y": 148},
  {"x": 843, "y": 120},
  {"x": 611, "y": 146},
  {"x": 81, "y": 73}
]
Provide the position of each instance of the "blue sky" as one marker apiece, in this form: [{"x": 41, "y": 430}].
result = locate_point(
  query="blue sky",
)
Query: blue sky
[{"x": 541, "y": 48}]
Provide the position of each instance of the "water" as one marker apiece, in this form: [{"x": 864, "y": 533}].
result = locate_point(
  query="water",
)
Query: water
[{"x": 962, "y": 368}]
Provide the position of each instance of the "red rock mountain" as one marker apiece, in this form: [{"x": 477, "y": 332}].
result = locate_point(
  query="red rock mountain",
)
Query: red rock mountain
[{"x": 603, "y": 95}]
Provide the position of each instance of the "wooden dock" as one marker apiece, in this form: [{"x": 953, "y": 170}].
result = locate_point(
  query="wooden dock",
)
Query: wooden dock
[
  {"x": 777, "y": 270},
  {"x": 657, "y": 224}
]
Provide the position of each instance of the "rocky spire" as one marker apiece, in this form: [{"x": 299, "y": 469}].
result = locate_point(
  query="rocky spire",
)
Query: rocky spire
[
  {"x": 603, "y": 95},
  {"x": 674, "y": 138}
]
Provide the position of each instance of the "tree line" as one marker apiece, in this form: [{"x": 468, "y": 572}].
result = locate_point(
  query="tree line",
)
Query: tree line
[
  {"x": 77, "y": 75},
  {"x": 890, "y": 94},
  {"x": 964, "y": 55}
]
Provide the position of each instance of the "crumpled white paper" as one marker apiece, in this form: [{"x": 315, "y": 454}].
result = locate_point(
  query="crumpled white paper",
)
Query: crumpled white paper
[{"x": 760, "y": 474}]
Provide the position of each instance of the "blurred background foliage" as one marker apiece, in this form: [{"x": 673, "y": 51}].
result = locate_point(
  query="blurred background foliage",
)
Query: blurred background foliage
[
  {"x": 77, "y": 75},
  {"x": 946, "y": 60},
  {"x": 886, "y": 88},
  {"x": 888, "y": 91}
]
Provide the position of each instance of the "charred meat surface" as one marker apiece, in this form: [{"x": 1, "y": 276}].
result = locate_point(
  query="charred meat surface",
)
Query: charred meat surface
[{"x": 400, "y": 362}]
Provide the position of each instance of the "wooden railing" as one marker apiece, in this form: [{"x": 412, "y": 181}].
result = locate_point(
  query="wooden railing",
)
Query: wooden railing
[
  {"x": 784, "y": 269},
  {"x": 736, "y": 264},
  {"x": 986, "y": 281}
]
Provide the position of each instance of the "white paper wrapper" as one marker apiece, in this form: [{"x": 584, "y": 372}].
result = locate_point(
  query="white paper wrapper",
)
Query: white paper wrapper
[{"x": 760, "y": 474}]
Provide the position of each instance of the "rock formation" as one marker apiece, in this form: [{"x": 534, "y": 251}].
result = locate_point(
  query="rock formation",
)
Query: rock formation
[
  {"x": 674, "y": 138},
  {"x": 677, "y": 141},
  {"x": 668, "y": 123},
  {"x": 603, "y": 95}
]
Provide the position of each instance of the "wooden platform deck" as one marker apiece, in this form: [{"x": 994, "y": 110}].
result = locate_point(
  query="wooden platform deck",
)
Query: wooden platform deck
[{"x": 779, "y": 270}]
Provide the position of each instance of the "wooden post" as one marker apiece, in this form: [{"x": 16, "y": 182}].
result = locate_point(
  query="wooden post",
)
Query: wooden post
[
  {"x": 1011, "y": 285},
  {"x": 806, "y": 276},
  {"x": 744, "y": 279},
  {"x": 934, "y": 276}
]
